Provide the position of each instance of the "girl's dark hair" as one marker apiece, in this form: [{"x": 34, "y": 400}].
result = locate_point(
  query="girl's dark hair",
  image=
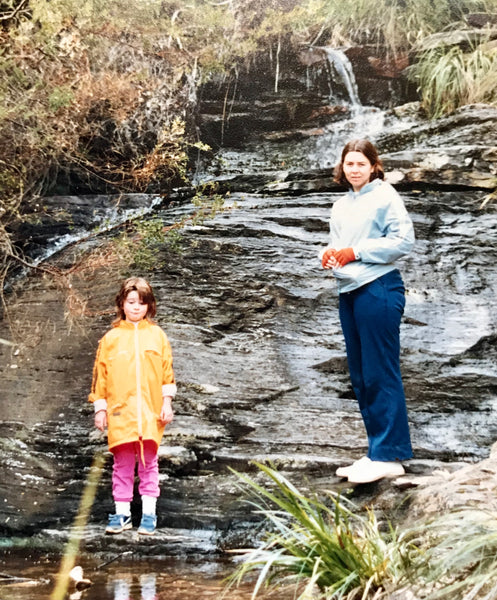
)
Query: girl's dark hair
[
  {"x": 369, "y": 151},
  {"x": 145, "y": 293}
]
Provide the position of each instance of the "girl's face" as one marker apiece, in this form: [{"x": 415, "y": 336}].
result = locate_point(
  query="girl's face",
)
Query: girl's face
[
  {"x": 133, "y": 307},
  {"x": 357, "y": 169}
]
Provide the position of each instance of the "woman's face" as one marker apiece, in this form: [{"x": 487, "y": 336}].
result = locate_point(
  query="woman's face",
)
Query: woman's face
[
  {"x": 357, "y": 169},
  {"x": 133, "y": 307}
]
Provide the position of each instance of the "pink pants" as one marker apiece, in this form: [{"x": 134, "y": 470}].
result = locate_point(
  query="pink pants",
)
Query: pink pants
[{"x": 123, "y": 474}]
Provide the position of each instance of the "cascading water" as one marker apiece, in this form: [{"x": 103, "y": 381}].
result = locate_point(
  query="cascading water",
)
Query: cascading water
[
  {"x": 339, "y": 63},
  {"x": 437, "y": 310},
  {"x": 308, "y": 147},
  {"x": 82, "y": 215},
  {"x": 362, "y": 121}
]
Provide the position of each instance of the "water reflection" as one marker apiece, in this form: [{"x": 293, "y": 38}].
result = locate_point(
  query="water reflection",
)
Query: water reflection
[
  {"x": 147, "y": 578},
  {"x": 125, "y": 588}
]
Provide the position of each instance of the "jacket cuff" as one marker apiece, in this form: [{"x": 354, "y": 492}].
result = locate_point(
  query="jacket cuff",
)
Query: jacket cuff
[
  {"x": 100, "y": 405},
  {"x": 169, "y": 389}
]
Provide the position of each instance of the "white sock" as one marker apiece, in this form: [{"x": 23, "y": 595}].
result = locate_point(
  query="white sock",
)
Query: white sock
[
  {"x": 148, "y": 505},
  {"x": 123, "y": 508}
]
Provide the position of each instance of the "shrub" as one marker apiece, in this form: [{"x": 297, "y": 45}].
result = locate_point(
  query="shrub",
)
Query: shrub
[{"x": 332, "y": 547}]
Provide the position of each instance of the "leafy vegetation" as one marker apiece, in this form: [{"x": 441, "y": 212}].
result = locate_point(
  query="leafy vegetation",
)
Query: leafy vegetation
[
  {"x": 330, "y": 549},
  {"x": 460, "y": 551},
  {"x": 450, "y": 76},
  {"x": 394, "y": 25},
  {"x": 98, "y": 88},
  {"x": 140, "y": 244}
]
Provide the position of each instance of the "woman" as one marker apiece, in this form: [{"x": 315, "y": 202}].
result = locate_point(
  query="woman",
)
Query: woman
[{"x": 369, "y": 230}]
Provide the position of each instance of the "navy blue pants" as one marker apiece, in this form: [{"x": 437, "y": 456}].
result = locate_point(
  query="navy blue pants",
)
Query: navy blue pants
[{"x": 370, "y": 318}]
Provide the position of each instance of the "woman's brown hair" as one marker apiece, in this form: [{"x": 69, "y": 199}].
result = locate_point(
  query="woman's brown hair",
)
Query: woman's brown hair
[
  {"x": 145, "y": 293},
  {"x": 369, "y": 151}
]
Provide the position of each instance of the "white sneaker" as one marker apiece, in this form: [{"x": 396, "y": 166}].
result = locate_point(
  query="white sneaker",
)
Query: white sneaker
[
  {"x": 365, "y": 472},
  {"x": 344, "y": 471}
]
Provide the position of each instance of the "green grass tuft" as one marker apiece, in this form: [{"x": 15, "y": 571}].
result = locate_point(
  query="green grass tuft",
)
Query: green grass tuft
[
  {"x": 450, "y": 77},
  {"x": 330, "y": 546}
]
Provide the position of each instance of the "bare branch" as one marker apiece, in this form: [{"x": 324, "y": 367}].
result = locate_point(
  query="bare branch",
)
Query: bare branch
[{"x": 15, "y": 12}]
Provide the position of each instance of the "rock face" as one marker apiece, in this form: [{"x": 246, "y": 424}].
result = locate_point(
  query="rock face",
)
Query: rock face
[
  {"x": 458, "y": 150},
  {"x": 289, "y": 141},
  {"x": 253, "y": 322},
  {"x": 63, "y": 220},
  {"x": 307, "y": 89},
  {"x": 260, "y": 364},
  {"x": 470, "y": 487}
]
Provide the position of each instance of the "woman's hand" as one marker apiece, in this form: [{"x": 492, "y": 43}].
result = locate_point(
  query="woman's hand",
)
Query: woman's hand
[
  {"x": 166, "y": 413},
  {"x": 101, "y": 419},
  {"x": 344, "y": 256},
  {"x": 328, "y": 260}
]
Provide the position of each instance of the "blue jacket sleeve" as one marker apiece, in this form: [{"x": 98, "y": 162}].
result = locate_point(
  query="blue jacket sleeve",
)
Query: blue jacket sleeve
[{"x": 397, "y": 237}]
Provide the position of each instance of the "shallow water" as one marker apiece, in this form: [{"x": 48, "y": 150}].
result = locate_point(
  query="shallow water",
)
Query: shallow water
[{"x": 126, "y": 579}]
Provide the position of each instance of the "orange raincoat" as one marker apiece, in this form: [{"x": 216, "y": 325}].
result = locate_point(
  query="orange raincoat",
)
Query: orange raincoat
[{"x": 133, "y": 370}]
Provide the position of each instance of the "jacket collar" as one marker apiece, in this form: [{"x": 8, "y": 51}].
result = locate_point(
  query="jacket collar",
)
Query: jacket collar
[
  {"x": 366, "y": 188},
  {"x": 128, "y": 325}
]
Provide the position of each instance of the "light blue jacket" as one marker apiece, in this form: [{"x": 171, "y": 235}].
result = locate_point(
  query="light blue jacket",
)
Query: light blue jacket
[{"x": 375, "y": 224}]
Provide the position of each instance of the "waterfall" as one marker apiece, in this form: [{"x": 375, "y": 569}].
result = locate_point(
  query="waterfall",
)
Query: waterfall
[
  {"x": 305, "y": 144},
  {"x": 341, "y": 64}
]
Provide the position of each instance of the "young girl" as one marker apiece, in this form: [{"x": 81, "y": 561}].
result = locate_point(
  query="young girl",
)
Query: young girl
[
  {"x": 132, "y": 391},
  {"x": 369, "y": 230}
]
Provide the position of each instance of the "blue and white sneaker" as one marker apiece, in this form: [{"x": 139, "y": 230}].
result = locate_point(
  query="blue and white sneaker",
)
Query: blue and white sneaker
[
  {"x": 148, "y": 525},
  {"x": 118, "y": 523}
]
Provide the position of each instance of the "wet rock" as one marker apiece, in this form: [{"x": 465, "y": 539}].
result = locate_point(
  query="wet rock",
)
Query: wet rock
[
  {"x": 465, "y": 166},
  {"x": 58, "y": 221},
  {"x": 253, "y": 320},
  {"x": 309, "y": 92},
  {"x": 471, "y": 486},
  {"x": 458, "y": 150},
  {"x": 261, "y": 369}
]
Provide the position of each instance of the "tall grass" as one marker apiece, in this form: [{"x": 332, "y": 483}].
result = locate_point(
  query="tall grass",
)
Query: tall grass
[
  {"x": 394, "y": 24},
  {"x": 328, "y": 549},
  {"x": 333, "y": 547},
  {"x": 449, "y": 77}
]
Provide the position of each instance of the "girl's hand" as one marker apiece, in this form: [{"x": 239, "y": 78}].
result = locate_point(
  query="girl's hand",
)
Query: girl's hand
[
  {"x": 166, "y": 413},
  {"x": 101, "y": 419}
]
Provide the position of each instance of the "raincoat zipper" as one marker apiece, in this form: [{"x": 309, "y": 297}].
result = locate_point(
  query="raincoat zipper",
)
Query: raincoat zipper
[{"x": 139, "y": 392}]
